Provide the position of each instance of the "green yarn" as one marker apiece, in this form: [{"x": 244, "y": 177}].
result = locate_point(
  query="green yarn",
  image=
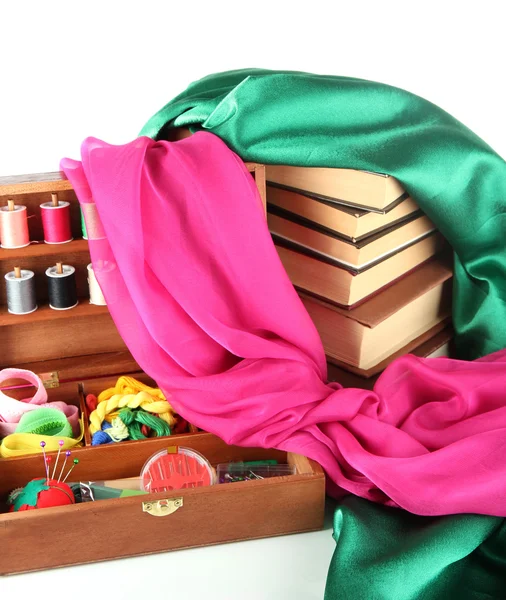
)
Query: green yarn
[
  {"x": 134, "y": 419},
  {"x": 45, "y": 421}
]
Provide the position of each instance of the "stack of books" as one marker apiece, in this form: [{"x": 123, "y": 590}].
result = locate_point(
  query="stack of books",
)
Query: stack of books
[{"x": 370, "y": 267}]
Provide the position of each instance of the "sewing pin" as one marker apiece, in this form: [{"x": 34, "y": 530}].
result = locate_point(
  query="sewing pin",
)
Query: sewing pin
[
  {"x": 161, "y": 478},
  {"x": 60, "y": 445},
  {"x": 76, "y": 462},
  {"x": 67, "y": 454},
  {"x": 188, "y": 470},
  {"x": 43, "y": 446}
]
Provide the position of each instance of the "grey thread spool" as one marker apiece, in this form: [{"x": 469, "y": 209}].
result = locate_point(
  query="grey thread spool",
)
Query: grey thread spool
[
  {"x": 21, "y": 299},
  {"x": 61, "y": 285}
]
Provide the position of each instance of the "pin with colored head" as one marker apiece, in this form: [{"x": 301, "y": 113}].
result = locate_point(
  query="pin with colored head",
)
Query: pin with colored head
[
  {"x": 67, "y": 454},
  {"x": 76, "y": 462},
  {"x": 60, "y": 446},
  {"x": 43, "y": 446}
]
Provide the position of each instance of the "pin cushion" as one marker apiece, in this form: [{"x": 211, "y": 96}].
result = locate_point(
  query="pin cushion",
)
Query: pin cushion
[{"x": 41, "y": 493}]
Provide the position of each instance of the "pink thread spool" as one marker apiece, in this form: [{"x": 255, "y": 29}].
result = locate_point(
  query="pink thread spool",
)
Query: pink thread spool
[
  {"x": 14, "y": 226},
  {"x": 56, "y": 221}
]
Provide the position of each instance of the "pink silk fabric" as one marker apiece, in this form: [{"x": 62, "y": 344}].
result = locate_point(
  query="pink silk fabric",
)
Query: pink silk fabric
[{"x": 181, "y": 250}]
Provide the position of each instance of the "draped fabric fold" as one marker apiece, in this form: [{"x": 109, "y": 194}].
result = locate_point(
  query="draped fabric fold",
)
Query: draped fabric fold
[
  {"x": 384, "y": 553},
  {"x": 181, "y": 250},
  {"x": 283, "y": 117}
]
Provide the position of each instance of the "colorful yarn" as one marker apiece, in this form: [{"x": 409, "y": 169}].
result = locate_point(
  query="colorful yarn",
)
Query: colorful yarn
[
  {"x": 128, "y": 385},
  {"x": 130, "y": 425},
  {"x": 45, "y": 422},
  {"x": 134, "y": 419},
  {"x": 115, "y": 432},
  {"x": 110, "y": 407},
  {"x": 91, "y": 402},
  {"x": 101, "y": 437},
  {"x": 181, "y": 425}
]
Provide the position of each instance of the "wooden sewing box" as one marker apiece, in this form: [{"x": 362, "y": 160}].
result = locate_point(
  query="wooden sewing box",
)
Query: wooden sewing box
[{"x": 79, "y": 351}]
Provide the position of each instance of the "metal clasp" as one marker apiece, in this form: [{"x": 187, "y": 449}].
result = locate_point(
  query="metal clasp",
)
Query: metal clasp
[
  {"x": 50, "y": 380},
  {"x": 161, "y": 508}
]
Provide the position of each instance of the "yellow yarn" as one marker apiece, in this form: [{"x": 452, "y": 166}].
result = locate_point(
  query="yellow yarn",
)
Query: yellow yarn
[
  {"x": 130, "y": 393},
  {"x": 128, "y": 385}
]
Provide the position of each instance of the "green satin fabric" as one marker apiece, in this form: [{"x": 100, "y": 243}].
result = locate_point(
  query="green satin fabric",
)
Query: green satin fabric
[
  {"x": 311, "y": 120},
  {"x": 387, "y": 554}
]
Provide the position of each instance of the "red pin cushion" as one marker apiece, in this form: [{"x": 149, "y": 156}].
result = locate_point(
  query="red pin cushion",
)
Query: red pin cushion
[
  {"x": 175, "y": 469},
  {"x": 41, "y": 493}
]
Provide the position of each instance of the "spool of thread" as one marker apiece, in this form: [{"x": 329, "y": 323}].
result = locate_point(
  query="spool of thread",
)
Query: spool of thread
[
  {"x": 21, "y": 298},
  {"x": 14, "y": 226},
  {"x": 61, "y": 283},
  {"x": 96, "y": 296},
  {"x": 83, "y": 226},
  {"x": 56, "y": 221}
]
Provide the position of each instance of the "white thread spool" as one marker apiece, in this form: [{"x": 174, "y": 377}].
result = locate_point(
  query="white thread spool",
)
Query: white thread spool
[
  {"x": 96, "y": 295},
  {"x": 21, "y": 299}
]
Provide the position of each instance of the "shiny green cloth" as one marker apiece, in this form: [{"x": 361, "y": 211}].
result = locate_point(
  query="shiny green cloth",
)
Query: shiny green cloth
[
  {"x": 385, "y": 553},
  {"x": 312, "y": 120}
]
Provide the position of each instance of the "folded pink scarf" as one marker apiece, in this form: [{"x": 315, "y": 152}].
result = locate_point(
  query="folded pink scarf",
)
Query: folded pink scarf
[{"x": 182, "y": 252}]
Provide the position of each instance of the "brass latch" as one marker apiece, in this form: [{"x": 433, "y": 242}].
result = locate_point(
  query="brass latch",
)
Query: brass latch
[
  {"x": 161, "y": 508},
  {"x": 50, "y": 380}
]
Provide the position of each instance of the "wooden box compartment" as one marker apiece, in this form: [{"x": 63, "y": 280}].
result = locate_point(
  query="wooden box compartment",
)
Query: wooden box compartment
[
  {"x": 108, "y": 529},
  {"x": 80, "y": 351}
]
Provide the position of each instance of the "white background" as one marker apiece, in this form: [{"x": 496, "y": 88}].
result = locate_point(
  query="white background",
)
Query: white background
[{"x": 74, "y": 69}]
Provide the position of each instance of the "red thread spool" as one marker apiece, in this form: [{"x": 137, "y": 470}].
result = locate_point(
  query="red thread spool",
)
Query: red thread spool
[{"x": 56, "y": 221}]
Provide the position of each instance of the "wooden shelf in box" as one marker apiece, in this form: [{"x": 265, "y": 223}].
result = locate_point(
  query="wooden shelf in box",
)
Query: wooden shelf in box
[
  {"x": 34, "y": 183},
  {"x": 45, "y": 253},
  {"x": 45, "y": 313},
  {"x": 82, "y": 352},
  {"x": 38, "y": 257},
  {"x": 46, "y": 334},
  {"x": 111, "y": 364}
]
